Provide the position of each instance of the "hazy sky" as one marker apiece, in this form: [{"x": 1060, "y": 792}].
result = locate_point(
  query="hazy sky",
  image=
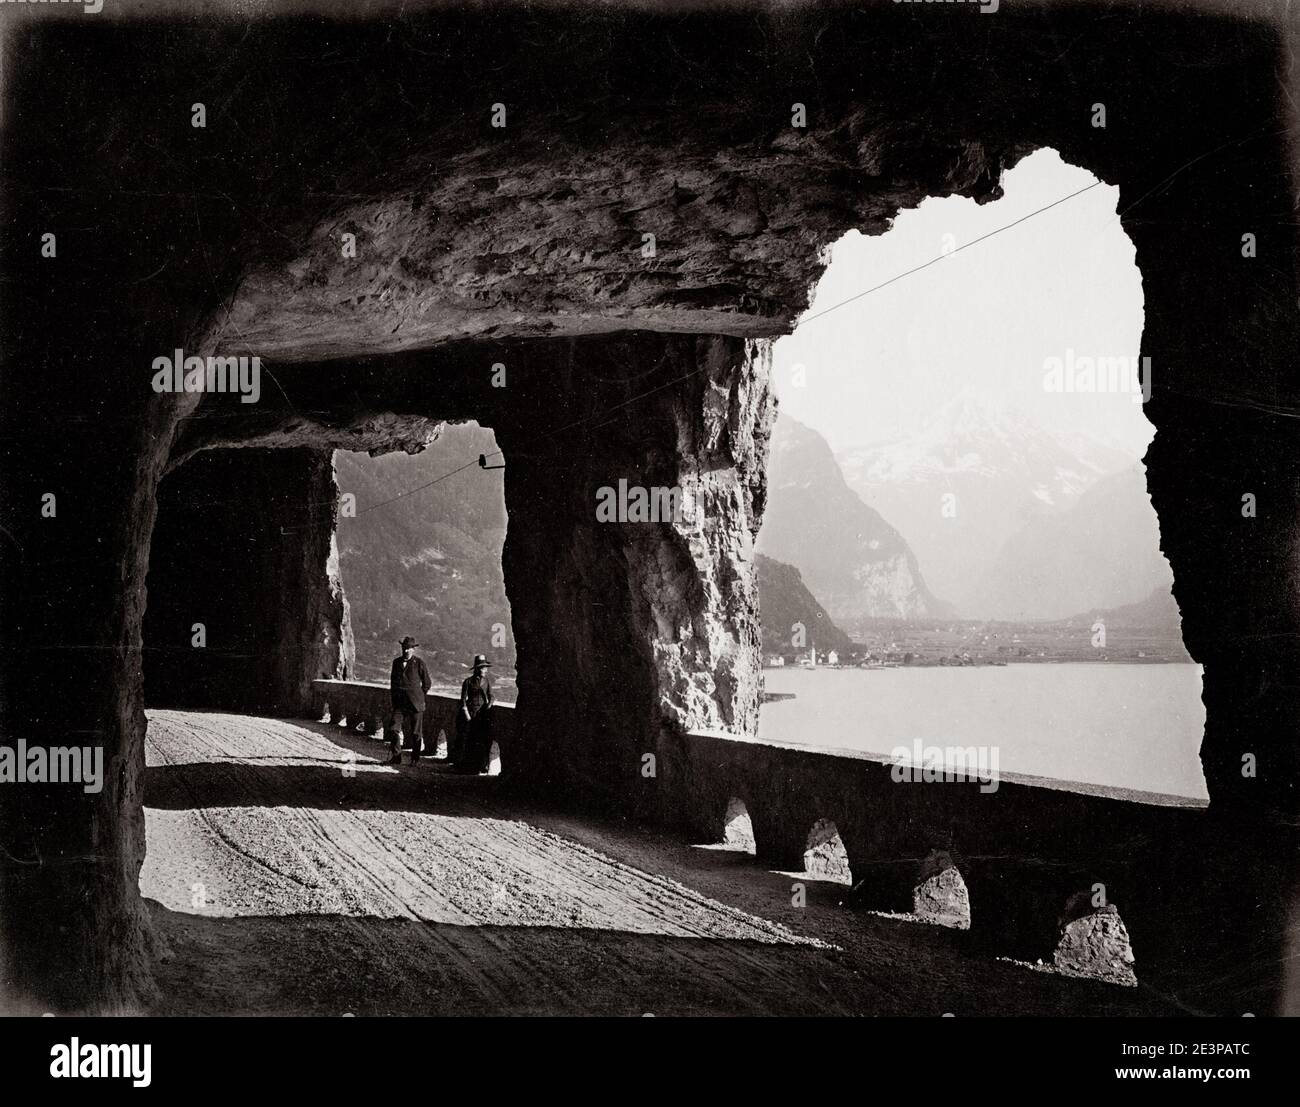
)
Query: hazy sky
[{"x": 984, "y": 319}]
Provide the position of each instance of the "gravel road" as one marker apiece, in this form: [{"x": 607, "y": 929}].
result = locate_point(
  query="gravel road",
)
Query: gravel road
[
  {"x": 288, "y": 871},
  {"x": 250, "y": 820}
]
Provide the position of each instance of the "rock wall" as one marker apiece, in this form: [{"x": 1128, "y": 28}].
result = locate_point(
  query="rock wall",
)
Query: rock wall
[
  {"x": 636, "y": 627},
  {"x": 849, "y": 554},
  {"x": 245, "y": 604}
]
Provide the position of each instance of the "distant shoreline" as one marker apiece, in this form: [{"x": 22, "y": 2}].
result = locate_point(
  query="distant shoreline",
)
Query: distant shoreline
[{"x": 983, "y": 663}]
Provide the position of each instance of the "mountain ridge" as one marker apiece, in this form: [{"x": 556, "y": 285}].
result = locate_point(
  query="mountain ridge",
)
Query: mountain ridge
[
  {"x": 971, "y": 478},
  {"x": 851, "y": 559},
  {"x": 785, "y": 604}
]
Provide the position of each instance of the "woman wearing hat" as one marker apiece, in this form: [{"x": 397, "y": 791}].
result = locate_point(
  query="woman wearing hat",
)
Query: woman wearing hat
[{"x": 473, "y": 733}]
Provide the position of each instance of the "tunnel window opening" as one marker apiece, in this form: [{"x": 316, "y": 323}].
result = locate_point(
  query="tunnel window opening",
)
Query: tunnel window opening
[
  {"x": 735, "y": 833},
  {"x": 274, "y": 568},
  {"x": 427, "y": 564},
  {"x": 959, "y": 565},
  {"x": 420, "y": 539},
  {"x": 738, "y": 829},
  {"x": 824, "y": 856}
]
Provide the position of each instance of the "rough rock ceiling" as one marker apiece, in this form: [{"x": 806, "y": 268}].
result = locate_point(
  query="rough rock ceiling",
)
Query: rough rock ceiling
[{"x": 532, "y": 237}]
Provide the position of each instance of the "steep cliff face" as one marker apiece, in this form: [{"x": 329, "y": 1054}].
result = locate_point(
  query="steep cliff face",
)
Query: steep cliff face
[
  {"x": 711, "y": 663},
  {"x": 788, "y": 606},
  {"x": 852, "y": 560}
]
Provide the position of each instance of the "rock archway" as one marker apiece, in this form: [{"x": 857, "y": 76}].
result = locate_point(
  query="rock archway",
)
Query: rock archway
[
  {"x": 634, "y": 627},
  {"x": 365, "y": 229}
]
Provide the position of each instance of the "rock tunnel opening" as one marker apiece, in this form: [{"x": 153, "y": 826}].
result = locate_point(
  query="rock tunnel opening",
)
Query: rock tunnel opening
[
  {"x": 737, "y": 827},
  {"x": 255, "y": 590},
  {"x": 265, "y": 515},
  {"x": 420, "y": 539},
  {"x": 976, "y": 436}
]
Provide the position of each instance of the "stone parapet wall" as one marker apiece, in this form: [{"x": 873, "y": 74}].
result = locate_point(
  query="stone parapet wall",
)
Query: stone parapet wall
[
  {"x": 1036, "y": 869},
  {"x": 365, "y": 705}
]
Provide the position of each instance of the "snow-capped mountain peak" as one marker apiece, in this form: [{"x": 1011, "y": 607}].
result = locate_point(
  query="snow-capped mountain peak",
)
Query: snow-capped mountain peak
[
  {"x": 967, "y": 478},
  {"x": 976, "y": 436}
]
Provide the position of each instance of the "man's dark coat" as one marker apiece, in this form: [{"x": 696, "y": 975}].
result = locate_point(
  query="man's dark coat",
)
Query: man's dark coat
[{"x": 408, "y": 683}]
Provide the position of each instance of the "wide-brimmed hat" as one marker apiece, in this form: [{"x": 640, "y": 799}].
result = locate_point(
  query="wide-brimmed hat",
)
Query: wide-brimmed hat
[
  {"x": 481, "y": 662},
  {"x": 408, "y": 641}
]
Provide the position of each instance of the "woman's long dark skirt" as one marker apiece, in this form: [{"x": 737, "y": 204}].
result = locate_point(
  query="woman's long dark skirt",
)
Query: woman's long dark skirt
[{"x": 474, "y": 738}]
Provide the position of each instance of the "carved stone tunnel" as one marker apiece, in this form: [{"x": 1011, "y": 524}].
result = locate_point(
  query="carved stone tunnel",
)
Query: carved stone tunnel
[
  {"x": 523, "y": 245},
  {"x": 632, "y": 628}
]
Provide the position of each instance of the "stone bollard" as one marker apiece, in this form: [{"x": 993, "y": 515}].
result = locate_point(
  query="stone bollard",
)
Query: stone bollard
[
  {"x": 939, "y": 895},
  {"x": 1094, "y": 943}
]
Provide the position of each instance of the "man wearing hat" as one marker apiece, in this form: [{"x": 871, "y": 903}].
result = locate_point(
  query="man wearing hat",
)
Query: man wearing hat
[
  {"x": 407, "y": 684},
  {"x": 473, "y": 739}
]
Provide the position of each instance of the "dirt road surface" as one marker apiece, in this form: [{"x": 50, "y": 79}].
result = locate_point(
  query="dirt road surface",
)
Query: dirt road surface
[{"x": 289, "y": 871}]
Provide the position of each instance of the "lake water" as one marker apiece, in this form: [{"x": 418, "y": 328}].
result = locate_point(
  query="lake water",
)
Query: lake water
[{"x": 1135, "y": 726}]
